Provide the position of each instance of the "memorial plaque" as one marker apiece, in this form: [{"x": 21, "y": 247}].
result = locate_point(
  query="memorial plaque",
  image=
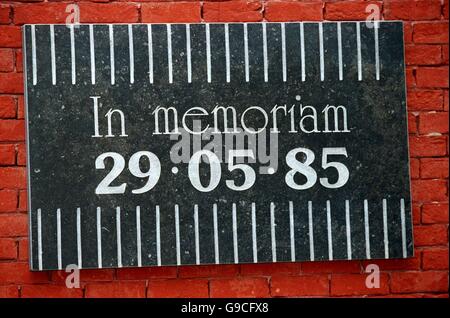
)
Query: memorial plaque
[{"x": 174, "y": 144}]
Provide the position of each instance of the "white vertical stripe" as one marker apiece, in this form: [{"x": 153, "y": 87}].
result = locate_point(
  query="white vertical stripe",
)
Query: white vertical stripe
[
  {"x": 111, "y": 53},
  {"x": 235, "y": 238},
  {"x": 216, "y": 234},
  {"x": 208, "y": 53},
  {"x": 330, "y": 236},
  {"x": 138, "y": 236},
  {"x": 119, "y": 238},
  {"x": 255, "y": 243},
  {"x": 80, "y": 261},
  {"x": 266, "y": 62},
  {"x": 385, "y": 230},
  {"x": 188, "y": 53},
  {"x": 169, "y": 52},
  {"x": 177, "y": 233},
  {"x": 131, "y": 48},
  {"x": 158, "y": 237},
  {"x": 291, "y": 229},
  {"x": 99, "y": 238},
  {"x": 302, "y": 51},
  {"x": 227, "y": 52},
  {"x": 247, "y": 68},
  {"x": 376, "y": 26},
  {"x": 33, "y": 53},
  {"x": 341, "y": 68},
  {"x": 311, "y": 233},
  {"x": 52, "y": 52},
  {"x": 367, "y": 228},
  {"x": 348, "y": 229},
  {"x": 92, "y": 49},
  {"x": 272, "y": 231},
  {"x": 58, "y": 237},
  {"x": 358, "y": 43},
  {"x": 197, "y": 238},
  {"x": 322, "y": 60},
  {"x": 283, "y": 50},
  {"x": 402, "y": 217},
  {"x": 150, "y": 52},
  {"x": 72, "y": 53},
  {"x": 39, "y": 235}
]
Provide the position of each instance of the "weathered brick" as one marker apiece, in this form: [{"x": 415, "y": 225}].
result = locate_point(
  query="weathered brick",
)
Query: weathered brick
[
  {"x": 295, "y": 286},
  {"x": 116, "y": 289},
  {"x": 434, "y": 167},
  {"x": 355, "y": 285},
  {"x": 239, "y": 287},
  {"x": 435, "y": 213},
  {"x": 429, "y": 235},
  {"x": 348, "y": 10},
  {"x": 50, "y": 291},
  {"x": 8, "y": 200},
  {"x": 7, "y": 155},
  {"x": 423, "y": 54},
  {"x": 412, "y": 10},
  {"x": 293, "y": 11},
  {"x": 233, "y": 11},
  {"x": 426, "y": 146},
  {"x": 432, "y": 77},
  {"x": 413, "y": 282},
  {"x": 433, "y": 259},
  {"x": 430, "y": 32},
  {"x": 429, "y": 190},
  {"x": 175, "y": 12},
  {"x": 425, "y": 100},
  {"x": 178, "y": 288}
]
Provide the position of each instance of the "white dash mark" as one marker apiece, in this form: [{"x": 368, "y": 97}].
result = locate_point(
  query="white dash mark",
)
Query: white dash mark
[
  {"x": 119, "y": 238},
  {"x": 272, "y": 231},
  {"x": 348, "y": 229},
  {"x": 52, "y": 51},
  {"x": 358, "y": 43},
  {"x": 291, "y": 228},
  {"x": 376, "y": 26},
  {"x": 330, "y": 236},
  {"x": 188, "y": 53},
  {"x": 367, "y": 228},
  {"x": 341, "y": 68},
  {"x": 235, "y": 238},
  {"x": 39, "y": 235},
  {"x": 255, "y": 243},
  {"x": 283, "y": 49},
  {"x": 58, "y": 237},
  {"x": 158, "y": 237},
  {"x": 227, "y": 52},
  {"x": 33, "y": 54},
  {"x": 177, "y": 233},
  {"x": 99, "y": 237},
  {"x": 302, "y": 51},
  {"x": 322, "y": 59},
  {"x": 131, "y": 48},
  {"x": 311, "y": 233},
  {"x": 208, "y": 53},
  {"x": 197, "y": 238},
  {"x": 92, "y": 50},
  {"x": 385, "y": 230},
  {"x": 72, "y": 53},
  {"x": 111, "y": 53},
  {"x": 266, "y": 62},
  {"x": 169, "y": 52},
  {"x": 246, "y": 61},
  {"x": 80, "y": 261},
  {"x": 138, "y": 236},
  {"x": 216, "y": 234},
  {"x": 150, "y": 52},
  {"x": 402, "y": 217}
]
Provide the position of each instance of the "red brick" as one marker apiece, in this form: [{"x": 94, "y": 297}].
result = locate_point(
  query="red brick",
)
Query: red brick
[
  {"x": 433, "y": 122},
  {"x": 208, "y": 271},
  {"x": 435, "y": 259},
  {"x": 446, "y": 100},
  {"x": 412, "y": 123},
  {"x": 8, "y": 200},
  {"x": 416, "y": 213},
  {"x": 293, "y": 11},
  {"x": 425, "y": 100},
  {"x": 429, "y": 190},
  {"x": 12, "y": 177},
  {"x": 5, "y": 11},
  {"x": 21, "y": 155},
  {"x": 270, "y": 269},
  {"x": 355, "y": 285},
  {"x": 20, "y": 108},
  {"x": 407, "y": 32},
  {"x": 430, "y": 32},
  {"x": 434, "y": 167},
  {"x": 332, "y": 267},
  {"x": 414, "y": 168},
  {"x": 239, "y": 287},
  {"x": 413, "y": 282},
  {"x": 146, "y": 273},
  {"x": 23, "y": 200},
  {"x": 10, "y": 291},
  {"x": 423, "y": 54},
  {"x": 432, "y": 77},
  {"x": 50, "y": 291},
  {"x": 413, "y": 10},
  {"x": 348, "y": 10},
  {"x": 108, "y": 12},
  {"x": 8, "y": 249},
  {"x": 19, "y": 273},
  {"x": 10, "y": 36},
  {"x": 86, "y": 275},
  {"x": 445, "y": 54},
  {"x": 295, "y": 286},
  {"x": 23, "y": 250},
  {"x": 13, "y": 225},
  {"x": 435, "y": 213},
  {"x": 7, "y": 107},
  {"x": 412, "y": 263},
  {"x": 116, "y": 289},
  {"x": 6, "y": 60},
  {"x": 12, "y": 130},
  {"x": 428, "y": 235},
  {"x": 175, "y": 12},
  {"x": 45, "y": 13},
  {"x": 232, "y": 11},
  {"x": 19, "y": 61},
  {"x": 410, "y": 77},
  {"x": 427, "y": 146},
  {"x": 178, "y": 288},
  {"x": 7, "y": 155},
  {"x": 11, "y": 83},
  {"x": 445, "y": 9}
]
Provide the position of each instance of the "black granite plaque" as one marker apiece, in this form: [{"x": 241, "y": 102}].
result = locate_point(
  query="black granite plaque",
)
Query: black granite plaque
[{"x": 173, "y": 144}]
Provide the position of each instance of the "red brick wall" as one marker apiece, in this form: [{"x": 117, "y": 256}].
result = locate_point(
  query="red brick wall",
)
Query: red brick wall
[{"x": 426, "y": 275}]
